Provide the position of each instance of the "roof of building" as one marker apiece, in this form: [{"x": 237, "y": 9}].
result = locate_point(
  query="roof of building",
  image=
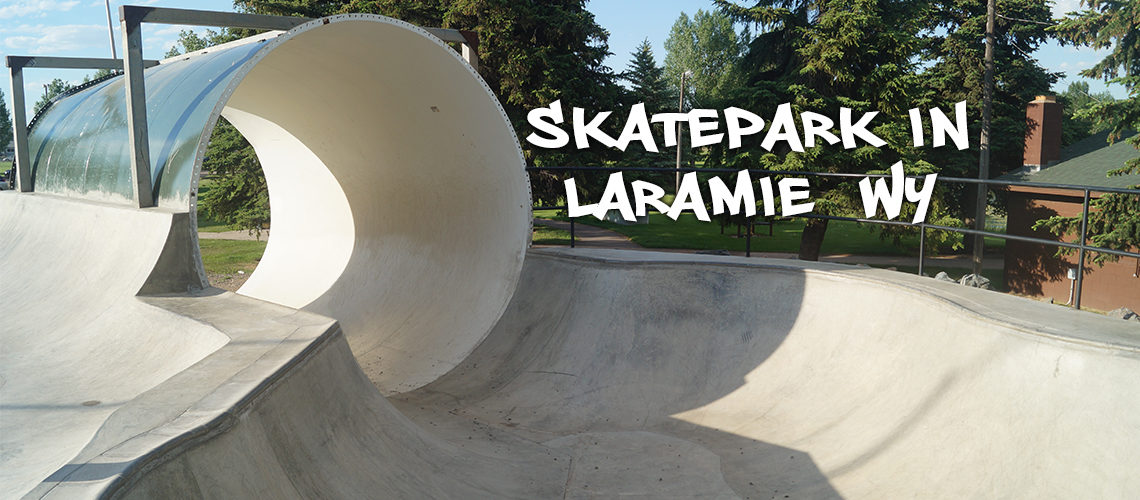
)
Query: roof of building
[{"x": 1087, "y": 163}]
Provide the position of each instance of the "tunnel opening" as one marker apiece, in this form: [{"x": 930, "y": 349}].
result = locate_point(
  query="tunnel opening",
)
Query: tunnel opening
[
  {"x": 399, "y": 201},
  {"x": 233, "y": 209}
]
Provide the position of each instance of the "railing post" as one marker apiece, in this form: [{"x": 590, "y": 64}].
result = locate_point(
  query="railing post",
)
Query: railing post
[
  {"x": 748, "y": 240},
  {"x": 136, "y": 108},
  {"x": 921, "y": 249},
  {"x": 1081, "y": 251},
  {"x": 20, "y": 128},
  {"x": 571, "y": 233}
]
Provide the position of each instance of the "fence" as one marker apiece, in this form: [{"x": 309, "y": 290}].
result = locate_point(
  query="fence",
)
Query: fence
[{"x": 1081, "y": 245}]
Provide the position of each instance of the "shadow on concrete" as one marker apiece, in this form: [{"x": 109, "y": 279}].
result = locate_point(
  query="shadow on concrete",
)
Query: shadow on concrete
[{"x": 593, "y": 347}]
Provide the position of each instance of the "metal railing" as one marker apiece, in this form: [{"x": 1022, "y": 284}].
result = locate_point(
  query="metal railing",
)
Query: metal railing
[{"x": 1081, "y": 245}]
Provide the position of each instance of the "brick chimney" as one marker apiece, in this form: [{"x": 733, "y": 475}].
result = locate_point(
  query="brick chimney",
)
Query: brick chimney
[{"x": 1042, "y": 133}]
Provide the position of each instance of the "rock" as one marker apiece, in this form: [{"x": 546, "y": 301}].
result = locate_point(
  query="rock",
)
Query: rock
[
  {"x": 1123, "y": 313},
  {"x": 976, "y": 281},
  {"x": 942, "y": 276}
]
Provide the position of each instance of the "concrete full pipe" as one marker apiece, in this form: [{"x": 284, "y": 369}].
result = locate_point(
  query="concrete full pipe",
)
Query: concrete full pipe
[{"x": 399, "y": 201}]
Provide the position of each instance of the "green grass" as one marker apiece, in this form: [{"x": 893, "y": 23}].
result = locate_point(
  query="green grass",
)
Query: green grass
[
  {"x": 549, "y": 236},
  {"x": 4, "y": 166},
  {"x": 689, "y": 233},
  {"x": 230, "y": 256}
]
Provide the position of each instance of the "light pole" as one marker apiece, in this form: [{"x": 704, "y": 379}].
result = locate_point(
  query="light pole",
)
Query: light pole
[
  {"x": 110, "y": 28},
  {"x": 984, "y": 146},
  {"x": 680, "y": 109}
]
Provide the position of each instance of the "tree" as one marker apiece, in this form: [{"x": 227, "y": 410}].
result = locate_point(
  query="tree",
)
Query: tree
[
  {"x": 191, "y": 41},
  {"x": 1114, "y": 219},
  {"x": 5, "y": 124},
  {"x": 647, "y": 82},
  {"x": 823, "y": 55},
  {"x": 1077, "y": 104},
  {"x": 708, "y": 46},
  {"x": 239, "y": 196},
  {"x": 955, "y": 73},
  {"x": 52, "y": 90},
  {"x": 103, "y": 73},
  {"x": 647, "y": 85},
  {"x": 530, "y": 53},
  {"x": 888, "y": 56}
]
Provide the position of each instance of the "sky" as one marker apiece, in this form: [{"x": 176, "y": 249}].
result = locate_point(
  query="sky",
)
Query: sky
[{"x": 78, "y": 28}]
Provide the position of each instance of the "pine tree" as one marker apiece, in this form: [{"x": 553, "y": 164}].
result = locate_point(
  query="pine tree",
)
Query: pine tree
[
  {"x": 647, "y": 85},
  {"x": 820, "y": 56},
  {"x": 647, "y": 81},
  {"x": 1114, "y": 220}
]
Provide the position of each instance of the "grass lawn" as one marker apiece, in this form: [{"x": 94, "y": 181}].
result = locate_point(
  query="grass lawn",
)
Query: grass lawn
[
  {"x": 230, "y": 256},
  {"x": 689, "y": 233},
  {"x": 549, "y": 236}
]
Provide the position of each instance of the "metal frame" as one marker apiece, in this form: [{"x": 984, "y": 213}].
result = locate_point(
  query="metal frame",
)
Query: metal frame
[
  {"x": 16, "y": 65},
  {"x": 131, "y": 18},
  {"x": 1081, "y": 246}
]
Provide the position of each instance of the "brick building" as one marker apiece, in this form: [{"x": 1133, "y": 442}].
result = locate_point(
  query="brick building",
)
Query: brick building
[{"x": 1035, "y": 270}]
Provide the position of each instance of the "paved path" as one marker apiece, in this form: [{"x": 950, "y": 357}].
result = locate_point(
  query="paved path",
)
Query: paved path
[
  {"x": 592, "y": 236},
  {"x": 231, "y": 235}
]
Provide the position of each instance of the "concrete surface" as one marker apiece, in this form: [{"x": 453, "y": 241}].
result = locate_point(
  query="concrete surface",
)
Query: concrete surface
[
  {"x": 643, "y": 374},
  {"x": 405, "y": 366},
  {"x": 401, "y": 187}
]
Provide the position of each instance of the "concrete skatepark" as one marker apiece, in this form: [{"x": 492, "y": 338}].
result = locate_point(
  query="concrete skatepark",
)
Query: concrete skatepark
[{"x": 373, "y": 355}]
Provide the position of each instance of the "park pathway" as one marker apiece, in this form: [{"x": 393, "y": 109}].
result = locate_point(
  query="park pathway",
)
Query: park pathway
[{"x": 591, "y": 236}]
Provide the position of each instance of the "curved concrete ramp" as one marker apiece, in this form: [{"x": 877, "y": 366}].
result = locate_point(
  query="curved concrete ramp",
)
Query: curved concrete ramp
[
  {"x": 400, "y": 208},
  {"x": 657, "y": 375},
  {"x": 399, "y": 198}
]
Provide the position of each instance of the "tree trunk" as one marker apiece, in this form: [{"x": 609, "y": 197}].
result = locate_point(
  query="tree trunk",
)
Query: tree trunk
[{"x": 811, "y": 241}]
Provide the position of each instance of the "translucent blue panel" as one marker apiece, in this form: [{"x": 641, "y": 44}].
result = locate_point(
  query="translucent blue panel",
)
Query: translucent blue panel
[{"x": 80, "y": 146}]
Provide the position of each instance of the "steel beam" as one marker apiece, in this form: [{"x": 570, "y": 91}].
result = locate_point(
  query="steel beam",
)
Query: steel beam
[
  {"x": 20, "y": 129},
  {"x": 70, "y": 62},
  {"x": 164, "y": 15},
  {"x": 468, "y": 43},
  {"x": 141, "y": 182}
]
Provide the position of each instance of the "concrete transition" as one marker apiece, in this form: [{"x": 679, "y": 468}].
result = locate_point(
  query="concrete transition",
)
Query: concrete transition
[{"x": 394, "y": 342}]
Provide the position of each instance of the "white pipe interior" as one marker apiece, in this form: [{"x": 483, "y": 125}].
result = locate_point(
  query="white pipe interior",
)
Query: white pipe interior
[{"x": 400, "y": 204}]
